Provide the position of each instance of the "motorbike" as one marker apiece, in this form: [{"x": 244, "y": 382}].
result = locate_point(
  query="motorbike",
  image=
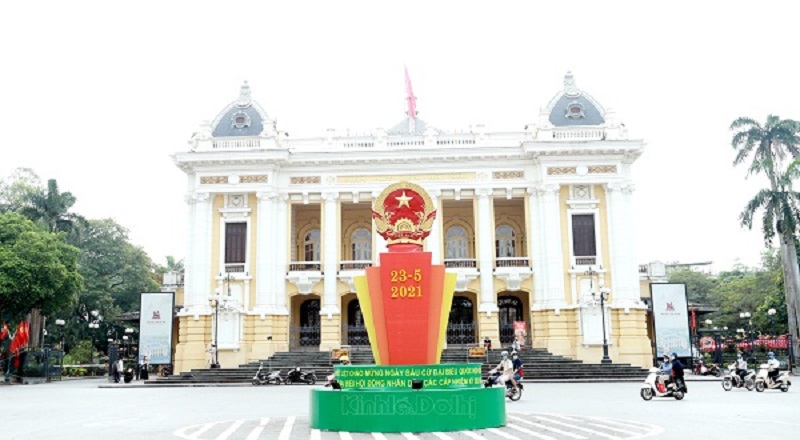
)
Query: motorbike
[
  {"x": 703, "y": 370},
  {"x": 732, "y": 379},
  {"x": 763, "y": 382},
  {"x": 262, "y": 377},
  {"x": 511, "y": 393},
  {"x": 655, "y": 386},
  {"x": 299, "y": 376}
]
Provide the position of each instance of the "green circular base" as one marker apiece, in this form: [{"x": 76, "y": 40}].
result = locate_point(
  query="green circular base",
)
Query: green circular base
[{"x": 425, "y": 410}]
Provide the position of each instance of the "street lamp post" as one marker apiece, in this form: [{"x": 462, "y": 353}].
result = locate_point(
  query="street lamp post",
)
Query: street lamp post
[
  {"x": 771, "y": 313},
  {"x": 60, "y": 323},
  {"x": 749, "y": 331},
  {"x": 604, "y": 293}
]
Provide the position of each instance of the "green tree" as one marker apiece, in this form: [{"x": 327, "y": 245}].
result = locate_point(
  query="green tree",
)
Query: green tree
[
  {"x": 50, "y": 208},
  {"x": 698, "y": 285},
  {"x": 17, "y": 191},
  {"x": 37, "y": 269},
  {"x": 770, "y": 144}
]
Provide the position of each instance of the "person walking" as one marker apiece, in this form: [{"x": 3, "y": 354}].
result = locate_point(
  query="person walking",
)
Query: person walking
[
  {"x": 120, "y": 367},
  {"x": 144, "y": 374}
]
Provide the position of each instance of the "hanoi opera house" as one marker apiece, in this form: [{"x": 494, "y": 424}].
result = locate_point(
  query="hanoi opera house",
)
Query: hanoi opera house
[{"x": 531, "y": 222}]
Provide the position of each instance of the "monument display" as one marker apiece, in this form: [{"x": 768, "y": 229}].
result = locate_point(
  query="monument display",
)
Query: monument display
[{"x": 406, "y": 302}]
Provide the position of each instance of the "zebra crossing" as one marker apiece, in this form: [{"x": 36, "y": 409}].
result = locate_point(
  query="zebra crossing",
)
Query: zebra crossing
[{"x": 519, "y": 426}]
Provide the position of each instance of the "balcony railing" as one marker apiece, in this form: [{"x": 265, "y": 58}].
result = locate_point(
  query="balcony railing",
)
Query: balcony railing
[
  {"x": 236, "y": 143},
  {"x": 234, "y": 267},
  {"x": 511, "y": 262},
  {"x": 304, "y": 266},
  {"x": 584, "y": 261},
  {"x": 456, "y": 263},
  {"x": 355, "y": 264}
]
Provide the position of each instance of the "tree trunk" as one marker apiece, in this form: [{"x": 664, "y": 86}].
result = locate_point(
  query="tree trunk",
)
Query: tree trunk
[{"x": 791, "y": 285}]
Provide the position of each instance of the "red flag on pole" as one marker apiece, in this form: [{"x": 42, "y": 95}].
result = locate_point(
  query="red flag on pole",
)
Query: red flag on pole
[
  {"x": 412, "y": 100},
  {"x": 694, "y": 320}
]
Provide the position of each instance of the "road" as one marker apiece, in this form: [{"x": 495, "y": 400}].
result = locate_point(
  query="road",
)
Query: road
[{"x": 79, "y": 409}]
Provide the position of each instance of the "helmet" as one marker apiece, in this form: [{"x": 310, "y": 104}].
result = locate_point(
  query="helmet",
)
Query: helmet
[
  {"x": 674, "y": 355},
  {"x": 738, "y": 355},
  {"x": 771, "y": 354},
  {"x": 504, "y": 354}
]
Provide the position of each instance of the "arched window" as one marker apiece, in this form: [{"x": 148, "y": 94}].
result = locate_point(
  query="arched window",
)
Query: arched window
[
  {"x": 457, "y": 243},
  {"x": 505, "y": 242},
  {"x": 311, "y": 245},
  {"x": 361, "y": 244}
]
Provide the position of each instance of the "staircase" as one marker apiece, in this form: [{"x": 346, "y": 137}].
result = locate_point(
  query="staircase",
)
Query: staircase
[{"x": 539, "y": 365}]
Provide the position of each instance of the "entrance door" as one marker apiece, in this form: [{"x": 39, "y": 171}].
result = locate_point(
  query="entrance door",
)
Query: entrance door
[
  {"x": 356, "y": 330},
  {"x": 306, "y": 335},
  {"x": 461, "y": 323},
  {"x": 511, "y": 310}
]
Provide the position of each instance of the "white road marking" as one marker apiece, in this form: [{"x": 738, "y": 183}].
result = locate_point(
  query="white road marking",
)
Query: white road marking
[
  {"x": 611, "y": 428},
  {"x": 379, "y": 436},
  {"x": 256, "y": 432},
  {"x": 315, "y": 434},
  {"x": 627, "y": 424},
  {"x": 410, "y": 436},
  {"x": 231, "y": 429},
  {"x": 529, "y": 432},
  {"x": 345, "y": 435},
  {"x": 196, "y": 435},
  {"x": 442, "y": 435},
  {"x": 549, "y": 428},
  {"x": 591, "y": 431},
  {"x": 471, "y": 434},
  {"x": 286, "y": 432},
  {"x": 496, "y": 431}
]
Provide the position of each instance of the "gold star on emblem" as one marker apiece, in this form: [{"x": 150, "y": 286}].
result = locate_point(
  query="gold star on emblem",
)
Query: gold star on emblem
[{"x": 403, "y": 200}]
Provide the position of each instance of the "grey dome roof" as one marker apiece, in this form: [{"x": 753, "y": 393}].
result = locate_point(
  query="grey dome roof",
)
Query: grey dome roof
[
  {"x": 573, "y": 106},
  {"x": 243, "y": 117},
  {"x": 414, "y": 127}
]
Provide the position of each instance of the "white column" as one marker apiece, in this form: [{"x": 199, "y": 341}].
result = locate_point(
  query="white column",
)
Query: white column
[
  {"x": 551, "y": 244},
  {"x": 624, "y": 269},
  {"x": 265, "y": 255},
  {"x": 330, "y": 258},
  {"x": 486, "y": 250},
  {"x": 537, "y": 245},
  {"x": 281, "y": 250},
  {"x": 434, "y": 240},
  {"x": 189, "y": 264},
  {"x": 201, "y": 248}
]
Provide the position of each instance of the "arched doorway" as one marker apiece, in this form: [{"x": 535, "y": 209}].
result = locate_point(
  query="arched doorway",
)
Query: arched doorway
[
  {"x": 305, "y": 334},
  {"x": 461, "y": 322},
  {"x": 511, "y": 310},
  {"x": 356, "y": 331}
]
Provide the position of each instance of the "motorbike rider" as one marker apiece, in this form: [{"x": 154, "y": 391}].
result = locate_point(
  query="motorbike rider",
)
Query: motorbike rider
[
  {"x": 516, "y": 363},
  {"x": 677, "y": 372},
  {"x": 666, "y": 370},
  {"x": 773, "y": 366},
  {"x": 506, "y": 369},
  {"x": 741, "y": 368}
]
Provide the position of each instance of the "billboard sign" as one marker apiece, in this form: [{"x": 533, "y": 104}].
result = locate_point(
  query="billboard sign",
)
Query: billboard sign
[
  {"x": 155, "y": 327},
  {"x": 671, "y": 319}
]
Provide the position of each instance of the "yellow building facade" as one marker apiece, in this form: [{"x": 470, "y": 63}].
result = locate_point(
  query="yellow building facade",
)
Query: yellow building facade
[{"x": 535, "y": 224}]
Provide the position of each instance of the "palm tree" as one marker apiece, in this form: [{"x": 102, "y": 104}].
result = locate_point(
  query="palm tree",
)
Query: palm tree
[
  {"x": 770, "y": 145},
  {"x": 51, "y": 209}
]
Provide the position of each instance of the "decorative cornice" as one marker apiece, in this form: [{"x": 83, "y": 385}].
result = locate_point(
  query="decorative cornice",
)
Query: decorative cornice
[
  {"x": 406, "y": 177},
  {"x": 503, "y": 175},
  {"x": 305, "y": 180},
  {"x": 258, "y": 178}
]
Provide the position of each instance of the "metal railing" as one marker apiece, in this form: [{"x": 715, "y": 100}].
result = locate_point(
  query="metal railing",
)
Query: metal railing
[
  {"x": 355, "y": 335},
  {"x": 234, "y": 267},
  {"x": 462, "y": 333},
  {"x": 238, "y": 143},
  {"x": 584, "y": 261},
  {"x": 305, "y": 337},
  {"x": 301, "y": 266},
  {"x": 355, "y": 264},
  {"x": 511, "y": 262},
  {"x": 456, "y": 263}
]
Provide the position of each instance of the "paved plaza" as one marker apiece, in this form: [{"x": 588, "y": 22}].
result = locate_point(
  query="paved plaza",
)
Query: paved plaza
[{"x": 80, "y": 409}]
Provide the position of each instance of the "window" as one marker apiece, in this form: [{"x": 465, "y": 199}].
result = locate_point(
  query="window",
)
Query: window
[
  {"x": 505, "y": 242},
  {"x": 457, "y": 243},
  {"x": 235, "y": 242},
  {"x": 311, "y": 245},
  {"x": 240, "y": 120},
  {"x": 361, "y": 244},
  {"x": 583, "y": 240}
]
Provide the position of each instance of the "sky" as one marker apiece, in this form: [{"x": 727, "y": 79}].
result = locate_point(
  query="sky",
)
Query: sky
[{"x": 99, "y": 94}]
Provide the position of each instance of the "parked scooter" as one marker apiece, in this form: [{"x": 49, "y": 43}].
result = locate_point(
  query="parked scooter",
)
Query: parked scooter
[
  {"x": 763, "y": 382},
  {"x": 262, "y": 378},
  {"x": 299, "y": 376},
  {"x": 702, "y": 369},
  {"x": 511, "y": 393},
  {"x": 655, "y": 386},
  {"x": 732, "y": 379}
]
